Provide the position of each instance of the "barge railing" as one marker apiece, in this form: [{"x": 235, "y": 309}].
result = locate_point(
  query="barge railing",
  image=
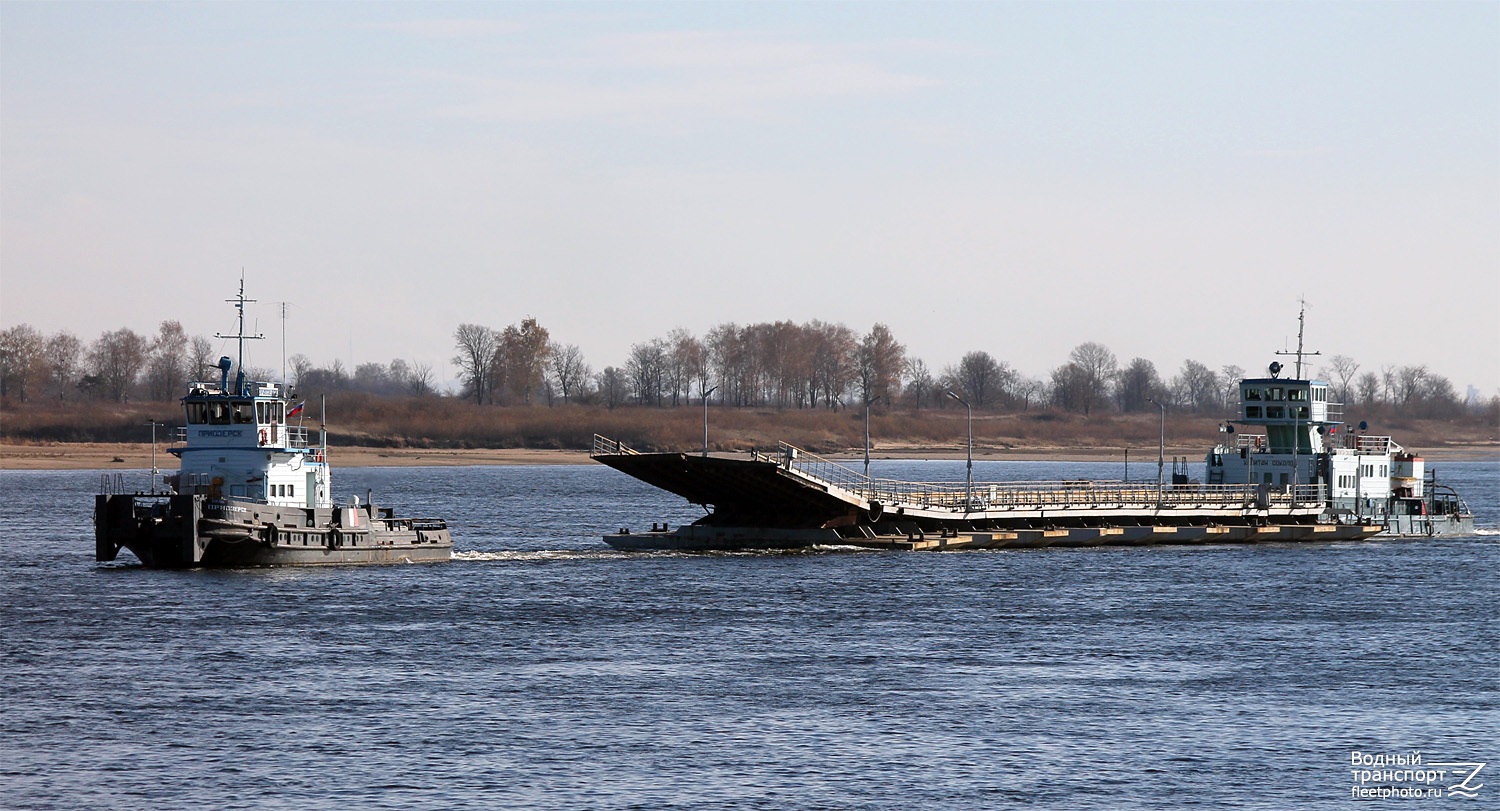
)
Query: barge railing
[
  {"x": 984, "y": 496},
  {"x": 990, "y": 497}
]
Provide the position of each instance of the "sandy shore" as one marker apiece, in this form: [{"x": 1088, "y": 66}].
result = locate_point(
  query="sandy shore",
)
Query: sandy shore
[{"x": 98, "y": 456}]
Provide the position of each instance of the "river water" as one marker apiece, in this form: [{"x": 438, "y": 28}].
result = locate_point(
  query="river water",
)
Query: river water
[{"x": 541, "y": 670}]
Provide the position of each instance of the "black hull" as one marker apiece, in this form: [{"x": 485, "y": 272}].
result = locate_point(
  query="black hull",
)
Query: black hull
[{"x": 185, "y": 531}]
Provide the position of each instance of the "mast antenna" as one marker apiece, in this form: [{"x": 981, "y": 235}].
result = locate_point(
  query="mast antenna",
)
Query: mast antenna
[
  {"x": 283, "y": 343},
  {"x": 1301, "y": 323},
  {"x": 239, "y": 303}
]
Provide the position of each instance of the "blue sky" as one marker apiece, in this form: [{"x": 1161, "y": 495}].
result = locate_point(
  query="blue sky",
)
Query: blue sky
[{"x": 1164, "y": 178}]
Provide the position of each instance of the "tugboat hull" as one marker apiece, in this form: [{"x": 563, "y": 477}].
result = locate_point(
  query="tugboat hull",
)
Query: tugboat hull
[{"x": 183, "y": 531}]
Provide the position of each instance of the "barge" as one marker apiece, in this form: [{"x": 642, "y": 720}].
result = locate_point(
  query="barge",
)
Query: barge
[{"x": 1304, "y": 478}]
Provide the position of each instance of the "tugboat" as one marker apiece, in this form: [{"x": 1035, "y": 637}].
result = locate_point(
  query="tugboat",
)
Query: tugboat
[
  {"x": 251, "y": 491},
  {"x": 1369, "y": 479}
]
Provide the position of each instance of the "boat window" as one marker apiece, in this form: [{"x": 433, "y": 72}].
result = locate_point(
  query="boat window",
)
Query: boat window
[
  {"x": 1252, "y": 412},
  {"x": 218, "y": 413},
  {"x": 197, "y": 413},
  {"x": 1275, "y": 412},
  {"x": 1297, "y": 394},
  {"x": 1302, "y": 412},
  {"x": 244, "y": 414},
  {"x": 1277, "y": 393},
  {"x": 1252, "y": 394},
  {"x": 278, "y": 413}
]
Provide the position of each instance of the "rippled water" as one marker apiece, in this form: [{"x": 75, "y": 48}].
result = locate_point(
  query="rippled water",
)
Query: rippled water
[{"x": 542, "y": 670}]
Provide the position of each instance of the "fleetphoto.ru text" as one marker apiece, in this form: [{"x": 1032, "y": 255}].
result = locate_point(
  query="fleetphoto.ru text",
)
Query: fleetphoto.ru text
[{"x": 1407, "y": 776}]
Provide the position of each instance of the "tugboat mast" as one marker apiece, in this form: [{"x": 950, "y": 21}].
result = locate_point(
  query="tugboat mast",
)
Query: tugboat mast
[
  {"x": 1301, "y": 323},
  {"x": 239, "y": 303}
]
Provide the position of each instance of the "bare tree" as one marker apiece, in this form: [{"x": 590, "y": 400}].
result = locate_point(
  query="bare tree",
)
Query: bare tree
[
  {"x": 832, "y": 362},
  {"x": 1069, "y": 388},
  {"x": 22, "y": 358},
  {"x": 115, "y": 361},
  {"x": 612, "y": 387},
  {"x": 645, "y": 370},
  {"x": 880, "y": 360},
  {"x": 1410, "y": 382},
  {"x": 419, "y": 379},
  {"x": 167, "y": 364},
  {"x": 1138, "y": 383},
  {"x": 982, "y": 378},
  {"x": 726, "y": 352},
  {"x": 1028, "y": 390},
  {"x": 301, "y": 365},
  {"x": 569, "y": 372},
  {"x": 1229, "y": 386},
  {"x": 1343, "y": 369},
  {"x": 201, "y": 358},
  {"x": 684, "y": 363},
  {"x": 476, "y": 355},
  {"x": 1087, "y": 382},
  {"x": 63, "y": 352},
  {"x": 919, "y": 383},
  {"x": 1369, "y": 388},
  {"x": 1196, "y": 387}
]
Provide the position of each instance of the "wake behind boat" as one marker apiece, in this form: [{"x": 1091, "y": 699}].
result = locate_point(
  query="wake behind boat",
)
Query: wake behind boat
[{"x": 252, "y": 491}]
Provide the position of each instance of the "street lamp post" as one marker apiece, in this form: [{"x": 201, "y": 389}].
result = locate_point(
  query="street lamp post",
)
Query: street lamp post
[
  {"x": 869, "y": 402},
  {"x": 705, "y": 418},
  {"x": 153, "y": 424},
  {"x": 1161, "y": 447},
  {"x": 969, "y": 475}
]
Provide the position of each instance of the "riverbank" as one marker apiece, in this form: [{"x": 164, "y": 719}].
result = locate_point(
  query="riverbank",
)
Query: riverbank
[{"x": 135, "y": 456}]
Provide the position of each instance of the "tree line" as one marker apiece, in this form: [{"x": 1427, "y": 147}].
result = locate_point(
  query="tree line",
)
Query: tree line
[
  {"x": 785, "y": 365},
  {"x": 778, "y": 365}
]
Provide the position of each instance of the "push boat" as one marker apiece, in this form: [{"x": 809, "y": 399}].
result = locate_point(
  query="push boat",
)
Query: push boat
[
  {"x": 1303, "y": 479},
  {"x": 1362, "y": 478},
  {"x": 252, "y": 491}
]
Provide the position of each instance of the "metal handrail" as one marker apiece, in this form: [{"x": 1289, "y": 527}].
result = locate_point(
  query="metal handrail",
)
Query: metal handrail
[
  {"x": 1034, "y": 495},
  {"x": 996, "y": 496},
  {"x": 604, "y": 446}
]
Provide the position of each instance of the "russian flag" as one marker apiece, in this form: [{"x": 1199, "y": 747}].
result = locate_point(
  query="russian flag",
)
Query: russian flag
[{"x": 296, "y": 409}]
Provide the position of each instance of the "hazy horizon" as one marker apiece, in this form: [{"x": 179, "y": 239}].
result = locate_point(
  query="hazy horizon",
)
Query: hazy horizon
[{"x": 1167, "y": 179}]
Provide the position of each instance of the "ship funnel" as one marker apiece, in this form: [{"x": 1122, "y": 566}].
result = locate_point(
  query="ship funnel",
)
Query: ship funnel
[{"x": 224, "y": 364}]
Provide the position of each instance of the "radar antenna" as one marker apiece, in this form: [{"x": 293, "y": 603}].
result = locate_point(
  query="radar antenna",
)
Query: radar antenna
[{"x": 1299, "y": 354}]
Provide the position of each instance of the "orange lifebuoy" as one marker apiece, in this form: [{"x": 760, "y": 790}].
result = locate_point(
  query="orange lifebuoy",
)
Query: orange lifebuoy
[{"x": 262, "y": 436}]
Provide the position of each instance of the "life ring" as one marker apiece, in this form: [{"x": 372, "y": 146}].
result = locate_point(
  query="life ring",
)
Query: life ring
[{"x": 262, "y": 436}]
